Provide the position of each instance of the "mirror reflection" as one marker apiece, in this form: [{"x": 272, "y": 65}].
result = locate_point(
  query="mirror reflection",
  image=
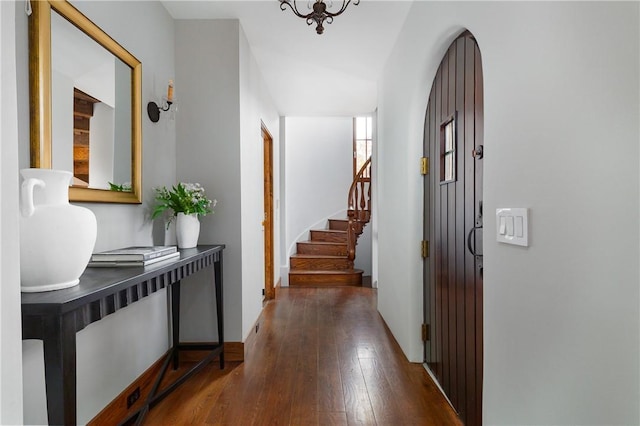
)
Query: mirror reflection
[
  {"x": 85, "y": 105},
  {"x": 91, "y": 114}
]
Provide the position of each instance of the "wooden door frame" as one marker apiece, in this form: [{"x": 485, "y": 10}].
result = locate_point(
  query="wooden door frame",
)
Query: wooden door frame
[{"x": 267, "y": 142}]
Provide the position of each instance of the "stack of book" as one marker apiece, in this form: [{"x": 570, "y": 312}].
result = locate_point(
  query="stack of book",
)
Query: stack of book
[{"x": 134, "y": 256}]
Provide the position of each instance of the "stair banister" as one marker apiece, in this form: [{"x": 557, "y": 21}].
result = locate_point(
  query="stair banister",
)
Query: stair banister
[{"x": 358, "y": 207}]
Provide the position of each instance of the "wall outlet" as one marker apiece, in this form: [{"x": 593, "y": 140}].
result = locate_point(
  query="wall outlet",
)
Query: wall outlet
[{"x": 133, "y": 397}]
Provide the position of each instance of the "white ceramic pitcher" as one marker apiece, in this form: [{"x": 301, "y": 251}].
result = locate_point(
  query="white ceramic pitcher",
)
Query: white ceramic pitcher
[{"x": 56, "y": 238}]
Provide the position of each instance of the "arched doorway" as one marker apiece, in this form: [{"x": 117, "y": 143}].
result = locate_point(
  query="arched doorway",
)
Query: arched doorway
[{"x": 453, "y": 138}]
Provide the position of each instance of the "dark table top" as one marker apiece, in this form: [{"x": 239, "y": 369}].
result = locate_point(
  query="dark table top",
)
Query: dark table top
[{"x": 98, "y": 283}]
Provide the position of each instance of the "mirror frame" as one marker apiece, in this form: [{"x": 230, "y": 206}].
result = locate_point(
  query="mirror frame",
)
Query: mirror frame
[{"x": 40, "y": 97}]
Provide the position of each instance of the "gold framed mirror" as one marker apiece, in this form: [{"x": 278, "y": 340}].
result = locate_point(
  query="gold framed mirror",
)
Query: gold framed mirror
[{"x": 85, "y": 105}]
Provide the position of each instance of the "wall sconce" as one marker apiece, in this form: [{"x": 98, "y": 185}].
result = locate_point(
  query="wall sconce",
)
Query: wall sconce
[{"x": 154, "y": 109}]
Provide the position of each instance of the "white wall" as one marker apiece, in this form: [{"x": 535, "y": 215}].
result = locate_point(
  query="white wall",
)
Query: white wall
[
  {"x": 102, "y": 143},
  {"x": 110, "y": 352},
  {"x": 561, "y": 329},
  {"x": 223, "y": 100},
  {"x": 373, "y": 225},
  {"x": 62, "y": 121},
  {"x": 318, "y": 172},
  {"x": 10, "y": 330},
  {"x": 122, "y": 134},
  {"x": 208, "y": 131},
  {"x": 283, "y": 265},
  {"x": 99, "y": 83},
  {"x": 256, "y": 106}
]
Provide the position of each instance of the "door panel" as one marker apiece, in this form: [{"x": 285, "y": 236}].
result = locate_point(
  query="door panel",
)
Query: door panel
[
  {"x": 269, "y": 291},
  {"x": 453, "y": 274},
  {"x": 470, "y": 221},
  {"x": 479, "y": 142}
]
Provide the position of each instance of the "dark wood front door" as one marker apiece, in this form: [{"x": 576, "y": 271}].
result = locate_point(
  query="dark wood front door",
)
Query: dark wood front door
[{"x": 453, "y": 138}]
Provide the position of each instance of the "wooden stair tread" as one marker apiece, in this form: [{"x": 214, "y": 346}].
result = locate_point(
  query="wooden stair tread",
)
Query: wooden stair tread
[
  {"x": 322, "y": 242},
  {"x": 329, "y": 248},
  {"x": 331, "y": 235},
  {"x": 326, "y": 272},
  {"x": 325, "y": 278},
  {"x": 339, "y": 224},
  {"x": 316, "y": 256}
]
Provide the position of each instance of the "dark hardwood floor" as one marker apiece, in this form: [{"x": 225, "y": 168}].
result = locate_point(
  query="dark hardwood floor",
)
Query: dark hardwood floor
[{"x": 320, "y": 357}]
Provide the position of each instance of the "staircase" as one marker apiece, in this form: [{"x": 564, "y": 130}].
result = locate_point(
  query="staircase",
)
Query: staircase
[
  {"x": 323, "y": 260},
  {"x": 326, "y": 260}
]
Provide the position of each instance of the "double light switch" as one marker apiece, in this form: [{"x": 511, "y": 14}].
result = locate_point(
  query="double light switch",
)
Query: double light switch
[{"x": 512, "y": 226}]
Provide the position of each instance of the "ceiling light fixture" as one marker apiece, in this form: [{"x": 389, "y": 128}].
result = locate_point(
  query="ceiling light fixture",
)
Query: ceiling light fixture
[{"x": 319, "y": 12}]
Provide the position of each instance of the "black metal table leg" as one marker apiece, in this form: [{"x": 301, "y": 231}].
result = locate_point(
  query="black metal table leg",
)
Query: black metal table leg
[
  {"x": 59, "y": 342},
  {"x": 175, "y": 321},
  {"x": 217, "y": 279}
]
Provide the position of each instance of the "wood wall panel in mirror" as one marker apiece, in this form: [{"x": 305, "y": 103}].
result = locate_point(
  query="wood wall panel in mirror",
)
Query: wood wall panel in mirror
[{"x": 85, "y": 105}]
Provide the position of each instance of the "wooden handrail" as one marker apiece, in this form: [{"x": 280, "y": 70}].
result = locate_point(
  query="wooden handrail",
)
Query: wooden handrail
[{"x": 358, "y": 207}]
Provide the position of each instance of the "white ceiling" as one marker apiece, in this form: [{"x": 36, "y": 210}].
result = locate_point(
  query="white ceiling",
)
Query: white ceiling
[{"x": 308, "y": 74}]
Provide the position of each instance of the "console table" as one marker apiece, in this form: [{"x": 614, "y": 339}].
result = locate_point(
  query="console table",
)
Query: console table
[{"x": 56, "y": 316}]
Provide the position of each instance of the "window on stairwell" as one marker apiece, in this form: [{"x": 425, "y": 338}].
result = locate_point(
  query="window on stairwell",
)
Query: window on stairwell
[{"x": 362, "y": 140}]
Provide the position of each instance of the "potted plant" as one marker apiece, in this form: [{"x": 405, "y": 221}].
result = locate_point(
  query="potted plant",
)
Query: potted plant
[{"x": 186, "y": 201}]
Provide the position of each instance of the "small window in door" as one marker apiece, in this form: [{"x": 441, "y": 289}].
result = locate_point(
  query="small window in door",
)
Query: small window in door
[
  {"x": 362, "y": 141},
  {"x": 448, "y": 150}
]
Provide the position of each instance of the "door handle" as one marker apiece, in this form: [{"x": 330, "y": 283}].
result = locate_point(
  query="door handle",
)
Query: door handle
[{"x": 471, "y": 234}]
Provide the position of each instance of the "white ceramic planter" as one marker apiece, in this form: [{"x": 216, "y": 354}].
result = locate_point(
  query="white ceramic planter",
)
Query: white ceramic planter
[
  {"x": 187, "y": 230},
  {"x": 56, "y": 238}
]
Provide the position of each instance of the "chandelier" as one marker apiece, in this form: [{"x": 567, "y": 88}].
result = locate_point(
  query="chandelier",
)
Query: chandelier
[{"x": 319, "y": 12}]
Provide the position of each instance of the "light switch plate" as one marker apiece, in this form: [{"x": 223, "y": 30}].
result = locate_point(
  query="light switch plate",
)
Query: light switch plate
[{"x": 512, "y": 226}]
